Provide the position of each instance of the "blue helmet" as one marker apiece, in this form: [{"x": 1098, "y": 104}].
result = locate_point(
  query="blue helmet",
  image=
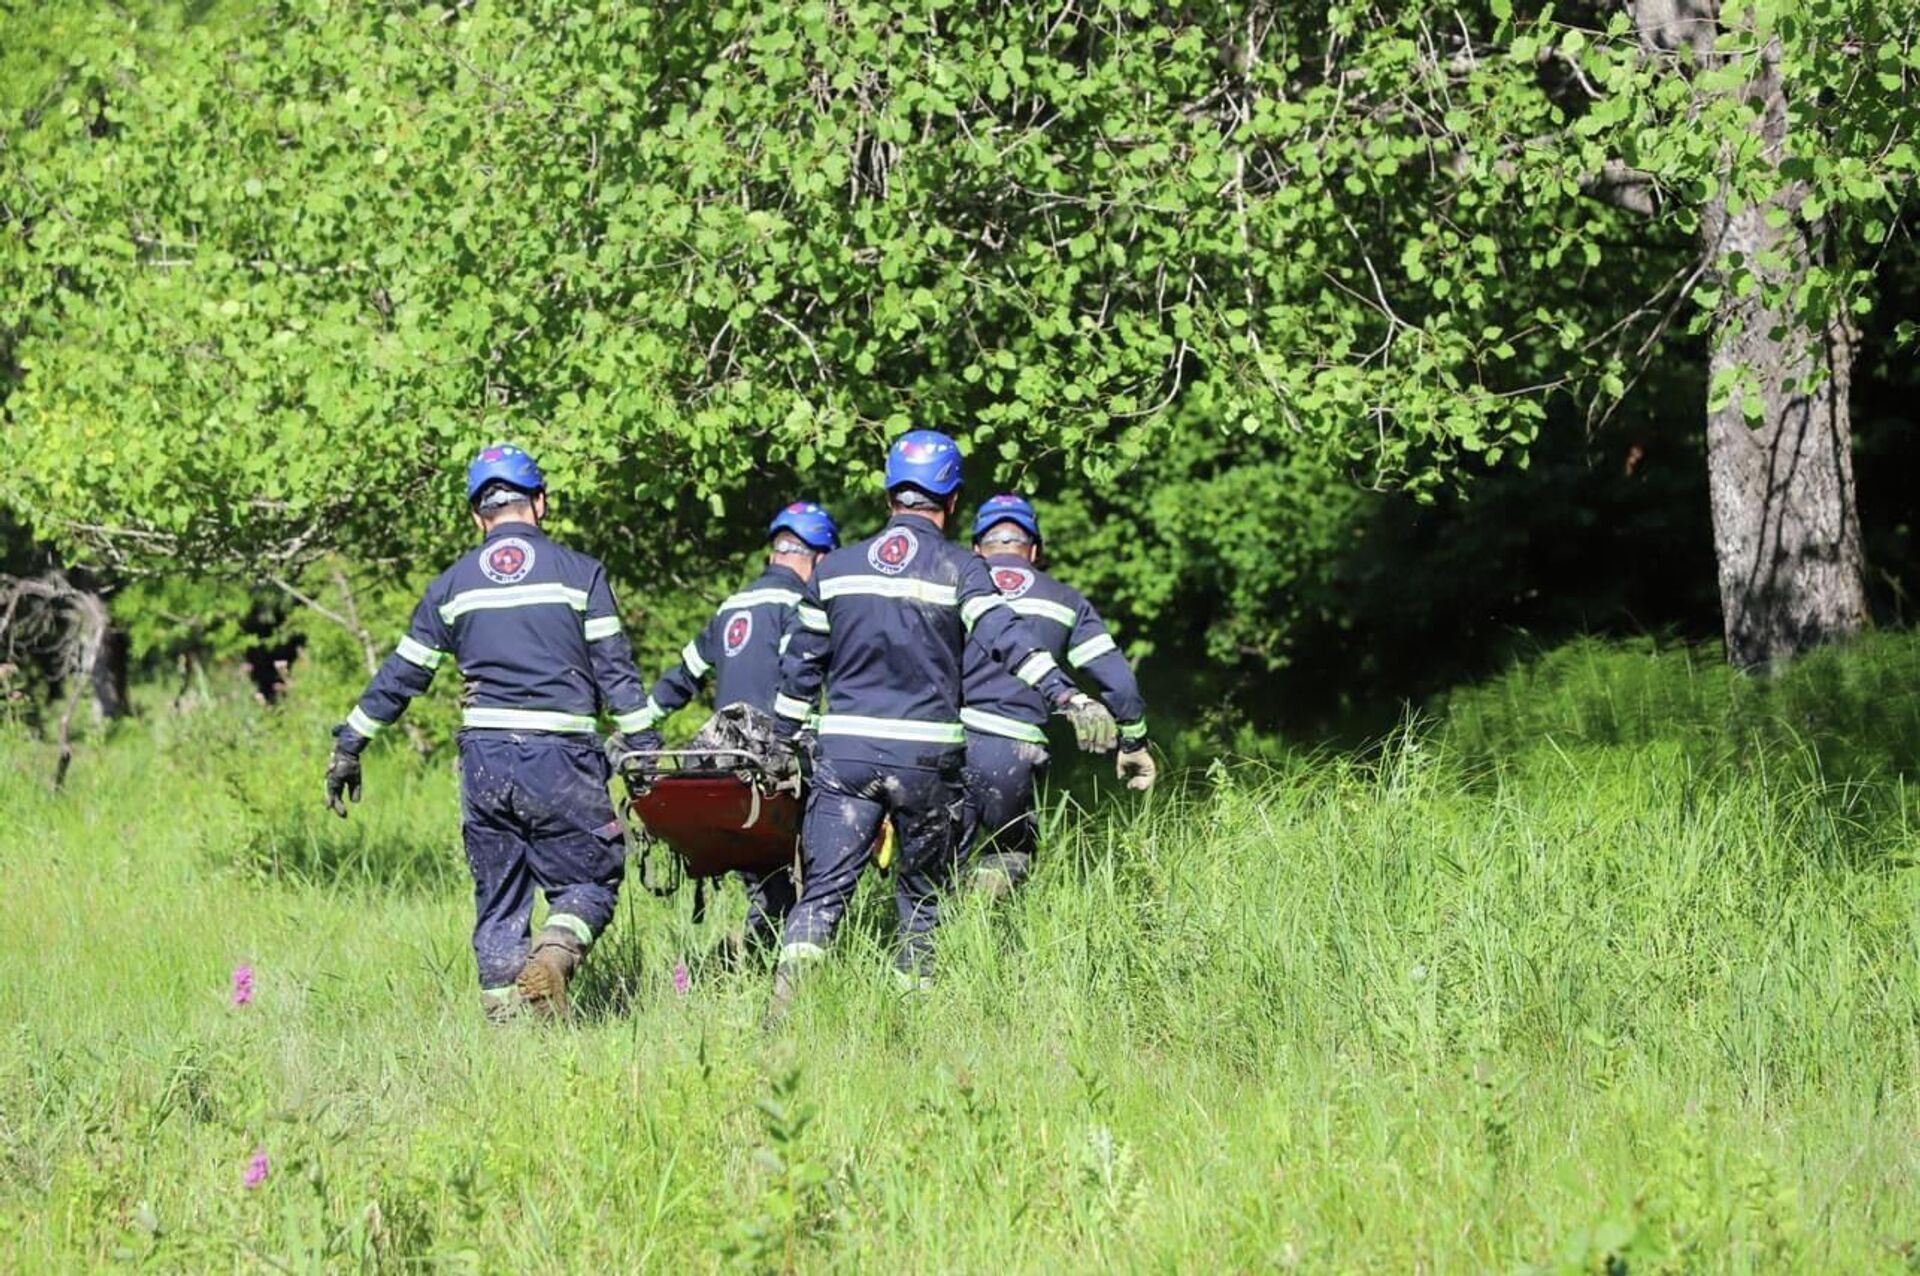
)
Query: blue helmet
[
  {"x": 926, "y": 459},
  {"x": 810, "y": 523},
  {"x": 1006, "y": 508},
  {"x": 504, "y": 463}
]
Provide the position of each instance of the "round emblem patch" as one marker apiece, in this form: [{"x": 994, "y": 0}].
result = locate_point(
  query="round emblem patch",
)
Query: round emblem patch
[
  {"x": 1012, "y": 581},
  {"x": 507, "y": 562},
  {"x": 892, "y": 552},
  {"x": 739, "y": 628}
]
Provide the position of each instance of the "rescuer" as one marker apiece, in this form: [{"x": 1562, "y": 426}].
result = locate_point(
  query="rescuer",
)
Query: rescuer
[
  {"x": 740, "y": 647},
  {"x": 884, "y": 623},
  {"x": 532, "y": 628},
  {"x": 1005, "y": 718}
]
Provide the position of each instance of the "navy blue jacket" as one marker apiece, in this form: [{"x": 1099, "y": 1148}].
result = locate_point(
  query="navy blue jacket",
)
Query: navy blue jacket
[
  {"x": 533, "y": 629},
  {"x": 884, "y": 623},
  {"x": 1066, "y": 625},
  {"x": 740, "y": 646}
]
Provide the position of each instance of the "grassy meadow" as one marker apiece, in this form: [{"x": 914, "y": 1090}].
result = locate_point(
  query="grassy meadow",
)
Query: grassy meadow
[{"x": 1610, "y": 964}]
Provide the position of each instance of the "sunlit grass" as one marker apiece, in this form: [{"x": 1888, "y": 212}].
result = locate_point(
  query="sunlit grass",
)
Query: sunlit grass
[{"x": 1615, "y": 960}]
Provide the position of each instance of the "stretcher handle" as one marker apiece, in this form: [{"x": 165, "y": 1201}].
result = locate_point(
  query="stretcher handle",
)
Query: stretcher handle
[{"x": 743, "y": 760}]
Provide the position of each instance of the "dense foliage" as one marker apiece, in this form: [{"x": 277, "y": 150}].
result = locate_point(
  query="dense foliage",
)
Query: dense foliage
[{"x": 1200, "y": 272}]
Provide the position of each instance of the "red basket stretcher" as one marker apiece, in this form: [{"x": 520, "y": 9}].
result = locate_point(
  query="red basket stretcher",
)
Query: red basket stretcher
[{"x": 715, "y": 820}]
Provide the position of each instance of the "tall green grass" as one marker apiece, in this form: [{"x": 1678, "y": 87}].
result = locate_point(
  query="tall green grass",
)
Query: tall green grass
[{"x": 1610, "y": 964}]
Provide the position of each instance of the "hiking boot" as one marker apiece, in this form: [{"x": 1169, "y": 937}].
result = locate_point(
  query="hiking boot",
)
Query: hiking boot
[
  {"x": 502, "y": 1005},
  {"x": 542, "y": 984},
  {"x": 732, "y": 953},
  {"x": 786, "y": 986},
  {"x": 992, "y": 884}
]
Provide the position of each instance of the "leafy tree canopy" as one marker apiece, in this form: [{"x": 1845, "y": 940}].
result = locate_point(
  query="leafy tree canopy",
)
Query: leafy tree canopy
[{"x": 1204, "y": 270}]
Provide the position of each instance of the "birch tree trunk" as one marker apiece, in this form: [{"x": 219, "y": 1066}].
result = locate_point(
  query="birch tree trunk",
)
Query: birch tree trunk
[{"x": 1786, "y": 526}]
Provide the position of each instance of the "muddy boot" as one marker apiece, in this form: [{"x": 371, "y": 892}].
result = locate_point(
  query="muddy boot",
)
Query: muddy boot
[
  {"x": 992, "y": 883},
  {"x": 502, "y": 1005},
  {"x": 543, "y": 980},
  {"x": 786, "y": 987}
]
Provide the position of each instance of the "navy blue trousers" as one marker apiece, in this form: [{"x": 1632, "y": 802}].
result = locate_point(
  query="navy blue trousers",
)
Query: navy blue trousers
[
  {"x": 1001, "y": 826},
  {"x": 845, "y": 806},
  {"x": 770, "y": 897},
  {"x": 536, "y": 815}
]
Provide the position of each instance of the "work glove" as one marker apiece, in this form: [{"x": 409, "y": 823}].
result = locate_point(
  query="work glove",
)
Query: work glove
[
  {"x": 624, "y": 752},
  {"x": 783, "y": 756},
  {"x": 1136, "y": 767},
  {"x": 343, "y": 781},
  {"x": 1094, "y": 729}
]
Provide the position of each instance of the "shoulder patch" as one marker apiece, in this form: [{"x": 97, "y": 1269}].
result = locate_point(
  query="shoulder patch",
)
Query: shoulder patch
[
  {"x": 890, "y": 554},
  {"x": 733, "y": 639},
  {"x": 507, "y": 562},
  {"x": 1012, "y": 582}
]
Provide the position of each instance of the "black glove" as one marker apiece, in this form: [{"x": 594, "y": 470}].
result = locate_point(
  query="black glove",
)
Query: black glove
[
  {"x": 624, "y": 752},
  {"x": 343, "y": 781}
]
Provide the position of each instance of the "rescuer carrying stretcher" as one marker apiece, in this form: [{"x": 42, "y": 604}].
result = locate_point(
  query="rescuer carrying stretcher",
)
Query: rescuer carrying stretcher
[
  {"x": 884, "y": 623},
  {"x": 1005, "y": 718},
  {"x": 533, "y": 629},
  {"x": 740, "y": 647}
]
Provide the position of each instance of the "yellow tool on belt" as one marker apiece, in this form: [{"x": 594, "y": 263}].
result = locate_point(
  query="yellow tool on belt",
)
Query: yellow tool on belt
[{"x": 884, "y": 857}]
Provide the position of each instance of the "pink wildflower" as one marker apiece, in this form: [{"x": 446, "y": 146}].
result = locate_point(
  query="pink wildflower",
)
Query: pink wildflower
[
  {"x": 242, "y": 984},
  {"x": 256, "y": 1170},
  {"x": 682, "y": 981}
]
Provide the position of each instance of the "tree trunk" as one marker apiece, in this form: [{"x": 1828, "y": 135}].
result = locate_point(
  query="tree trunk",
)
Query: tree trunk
[
  {"x": 109, "y": 676},
  {"x": 1786, "y": 528}
]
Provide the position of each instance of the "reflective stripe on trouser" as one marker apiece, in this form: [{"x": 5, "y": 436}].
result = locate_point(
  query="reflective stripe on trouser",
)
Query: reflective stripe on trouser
[
  {"x": 535, "y": 816},
  {"x": 844, "y": 809},
  {"x": 1001, "y": 827}
]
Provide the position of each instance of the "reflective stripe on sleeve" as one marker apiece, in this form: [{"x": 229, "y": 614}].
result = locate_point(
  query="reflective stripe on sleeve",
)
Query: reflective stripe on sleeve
[
  {"x": 1134, "y": 730},
  {"x": 512, "y": 596},
  {"x": 814, "y": 618},
  {"x": 1036, "y": 667},
  {"x": 695, "y": 662},
  {"x": 788, "y": 707},
  {"x": 893, "y": 729},
  {"x": 1041, "y": 607},
  {"x": 999, "y": 724},
  {"x": 527, "y": 720},
  {"x": 362, "y": 725},
  {"x": 415, "y": 652},
  {"x": 640, "y": 719},
  {"x": 906, "y": 589},
  {"x": 754, "y": 597},
  {"x": 1092, "y": 649},
  {"x": 602, "y": 627},
  {"x": 974, "y": 608}
]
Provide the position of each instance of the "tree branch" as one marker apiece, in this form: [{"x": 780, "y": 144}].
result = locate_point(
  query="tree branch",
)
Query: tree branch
[{"x": 1624, "y": 187}]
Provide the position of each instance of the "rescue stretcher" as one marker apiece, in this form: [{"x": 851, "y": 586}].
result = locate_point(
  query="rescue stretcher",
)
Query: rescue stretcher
[
  {"x": 717, "y": 810},
  {"x": 718, "y": 817}
]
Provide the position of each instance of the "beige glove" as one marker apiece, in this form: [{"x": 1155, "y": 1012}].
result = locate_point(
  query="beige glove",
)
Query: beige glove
[{"x": 1136, "y": 767}]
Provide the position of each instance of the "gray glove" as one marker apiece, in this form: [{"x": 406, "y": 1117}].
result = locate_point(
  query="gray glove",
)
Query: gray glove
[
  {"x": 343, "y": 781},
  {"x": 1094, "y": 729},
  {"x": 624, "y": 752}
]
